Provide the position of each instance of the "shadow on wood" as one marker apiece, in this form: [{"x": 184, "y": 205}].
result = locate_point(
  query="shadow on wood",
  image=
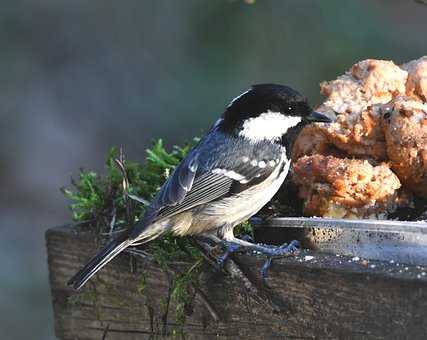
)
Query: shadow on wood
[{"x": 321, "y": 296}]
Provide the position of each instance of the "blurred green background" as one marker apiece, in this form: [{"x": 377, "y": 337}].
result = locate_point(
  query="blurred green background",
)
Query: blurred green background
[{"x": 80, "y": 76}]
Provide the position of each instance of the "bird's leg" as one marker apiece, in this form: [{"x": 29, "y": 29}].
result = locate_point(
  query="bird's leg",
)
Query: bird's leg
[
  {"x": 230, "y": 248},
  {"x": 283, "y": 250},
  {"x": 235, "y": 271},
  {"x": 233, "y": 242}
]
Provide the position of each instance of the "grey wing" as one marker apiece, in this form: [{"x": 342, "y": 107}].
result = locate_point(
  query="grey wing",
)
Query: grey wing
[
  {"x": 206, "y": 188},
  {"x": 209, "y": 172},
  {"x": 174, "y": 190},
  {"x": 179, "y": 183},
  {"x": 214, "y": 184},
  {"x": 188, "y": 186}
]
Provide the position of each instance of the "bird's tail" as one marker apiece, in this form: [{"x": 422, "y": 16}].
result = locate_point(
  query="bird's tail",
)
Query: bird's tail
[
  {"x": 105, "y": 255},
  {"x": 138, "y": 235}
]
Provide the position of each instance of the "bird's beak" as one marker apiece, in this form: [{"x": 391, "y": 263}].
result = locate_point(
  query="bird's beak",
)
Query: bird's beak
[{"x": 320, "y": 117}]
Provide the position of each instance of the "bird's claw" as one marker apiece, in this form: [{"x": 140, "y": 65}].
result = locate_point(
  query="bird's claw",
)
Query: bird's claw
[
  {"x": 265, "y": 267},
  {"x": 230, "y": 248},
  {"x": 270, "y": 251},
  {"x": 247, "y": 238},
  {"x": 285, "y": 249}
]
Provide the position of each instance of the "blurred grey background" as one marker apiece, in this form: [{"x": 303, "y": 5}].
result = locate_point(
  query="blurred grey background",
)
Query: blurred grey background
[{"x": 78, "y": 77}]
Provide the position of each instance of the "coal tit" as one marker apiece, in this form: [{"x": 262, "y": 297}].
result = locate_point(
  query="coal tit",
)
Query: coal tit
[{"x": 233, "y": 171}]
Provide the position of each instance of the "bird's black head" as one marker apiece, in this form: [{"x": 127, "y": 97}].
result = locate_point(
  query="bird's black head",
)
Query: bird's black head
[{"x": 267, "y": 111}]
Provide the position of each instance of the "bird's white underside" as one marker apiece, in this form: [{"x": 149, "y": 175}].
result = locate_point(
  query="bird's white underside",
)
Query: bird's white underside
[
  {"x": 235, "y": 209},
  {"x": 268, "y": 126}
]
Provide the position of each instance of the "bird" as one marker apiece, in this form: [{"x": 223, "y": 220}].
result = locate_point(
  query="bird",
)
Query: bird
[{"x": 233, "y": 171}]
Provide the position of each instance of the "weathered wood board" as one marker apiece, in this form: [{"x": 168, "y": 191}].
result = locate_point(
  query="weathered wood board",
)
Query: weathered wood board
[{"x": 324, "y": 297}]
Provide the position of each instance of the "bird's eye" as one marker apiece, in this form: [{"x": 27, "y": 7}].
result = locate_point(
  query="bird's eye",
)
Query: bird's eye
[{"x": 290, "y": 108}]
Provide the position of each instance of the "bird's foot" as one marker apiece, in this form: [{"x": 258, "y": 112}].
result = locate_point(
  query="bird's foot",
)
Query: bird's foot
[
  {"x": 276, "y": 251},
  {"x": 236, "y": 244},
  {"x": 284, "y": 250},
  {"x": 230, "y": 248},
  {"x": 235, "y": 271}
]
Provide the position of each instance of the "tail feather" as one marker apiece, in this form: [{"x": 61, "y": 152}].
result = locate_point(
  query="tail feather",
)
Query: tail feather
[{"x": 110, "y": 251}]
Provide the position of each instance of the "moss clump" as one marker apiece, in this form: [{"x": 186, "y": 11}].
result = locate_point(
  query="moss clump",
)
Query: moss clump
[
  {"x": 102, "y": 201},
  {"x": 115, "y": 201}
]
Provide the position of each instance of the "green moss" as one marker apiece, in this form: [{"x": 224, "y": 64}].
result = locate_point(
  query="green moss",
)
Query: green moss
[
  {"x": 244, "y": 228},
  {"x": 182, "y": 294},
  {"x": 87, "y": 296},
  {"x": 142, "y": 284},
  {"x": 101, "y": 198}
]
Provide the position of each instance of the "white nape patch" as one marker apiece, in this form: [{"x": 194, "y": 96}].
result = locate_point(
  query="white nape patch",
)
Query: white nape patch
[
  {"x": 269, "y": 125},
  {"x": 254, "y": 162},
  {"x": 240, "y": 95},
  {"x": 230, "y": 174}
]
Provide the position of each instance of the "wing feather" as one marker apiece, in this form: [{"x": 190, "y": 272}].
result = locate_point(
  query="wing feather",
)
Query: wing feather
[
  {"x": 212, "y": 185},
  {"x": 216, "y": 187},
  {"x": 179, "y": 183},
  {"x": 211, "y": 171}
]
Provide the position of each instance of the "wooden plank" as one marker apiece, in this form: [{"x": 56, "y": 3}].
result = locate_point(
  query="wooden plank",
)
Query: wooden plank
[{"x": 321, "y": 297}]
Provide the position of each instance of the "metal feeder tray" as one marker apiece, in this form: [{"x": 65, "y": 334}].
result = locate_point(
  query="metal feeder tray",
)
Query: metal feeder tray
[{"x": 394, "y": 241}]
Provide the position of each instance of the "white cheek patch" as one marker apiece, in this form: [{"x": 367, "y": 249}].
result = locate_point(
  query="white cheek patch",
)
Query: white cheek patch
[{"x": 269, "y": 125}]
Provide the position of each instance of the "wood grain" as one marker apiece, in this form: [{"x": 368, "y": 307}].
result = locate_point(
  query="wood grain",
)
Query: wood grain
[{"x": 325, "y": 297}]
